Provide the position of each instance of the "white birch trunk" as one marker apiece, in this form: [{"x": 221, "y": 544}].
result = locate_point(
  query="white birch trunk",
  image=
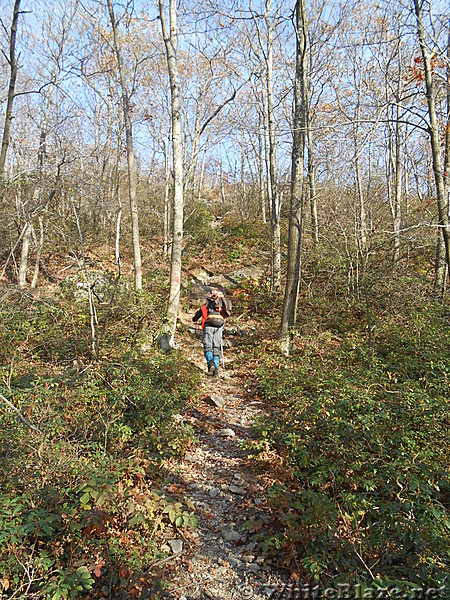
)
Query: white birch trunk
[{"x": 167, "y": 331}]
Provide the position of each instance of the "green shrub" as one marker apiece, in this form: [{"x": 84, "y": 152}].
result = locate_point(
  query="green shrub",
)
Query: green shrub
[
  {"x": 80, "y": 505},
  {"x": 369, "y": 453},
  {"x": 199, "y": 225}
]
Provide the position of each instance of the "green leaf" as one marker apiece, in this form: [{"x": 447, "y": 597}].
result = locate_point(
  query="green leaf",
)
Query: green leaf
[
  {"x": 85, "y": 498},
  {"x": 194, "y": 521},
  {"x": 436, "y": 513}
]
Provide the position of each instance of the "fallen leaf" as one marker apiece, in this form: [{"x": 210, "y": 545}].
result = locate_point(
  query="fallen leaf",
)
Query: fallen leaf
[{"x": 98, "y": 567}]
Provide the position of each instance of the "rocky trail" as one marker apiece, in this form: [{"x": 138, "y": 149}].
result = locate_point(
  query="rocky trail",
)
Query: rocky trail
[{"x": 220, "y": 560}]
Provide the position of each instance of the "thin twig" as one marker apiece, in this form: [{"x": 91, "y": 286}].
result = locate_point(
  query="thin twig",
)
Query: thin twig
[
  {"x": 11, "y": 254},
  {"x": 24, "y": 420},
  {"x": 369, "y": 570},
  {"x": 92, "y": 311},
  {"x": 160, "y": 562}
]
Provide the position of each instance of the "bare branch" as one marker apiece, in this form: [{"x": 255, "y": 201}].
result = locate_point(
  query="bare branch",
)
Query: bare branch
[{"x": 24, "y": 420}]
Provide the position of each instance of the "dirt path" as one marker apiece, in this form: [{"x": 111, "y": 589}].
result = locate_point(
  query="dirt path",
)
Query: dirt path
[{"x": 221, "y": 561}]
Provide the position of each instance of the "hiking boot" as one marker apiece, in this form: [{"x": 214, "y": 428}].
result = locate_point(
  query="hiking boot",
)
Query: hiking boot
[
  {"x": 211, "y": 367},
  {"x": 216, "y": 372}
]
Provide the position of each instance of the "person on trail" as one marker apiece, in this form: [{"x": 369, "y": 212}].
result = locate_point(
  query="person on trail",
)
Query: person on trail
[{"x": 213, "y": 314}]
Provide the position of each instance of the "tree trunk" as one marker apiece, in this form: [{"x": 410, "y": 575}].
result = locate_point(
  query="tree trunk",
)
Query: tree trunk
[
  {"x": 23, "y": 264},
  {"x": 289, "y": 313},
  {"x": 397, "y": 213},
  {"x": 118, "y": 226},
  {"x": 131, "y": 162},
  {"x": 267, "y": 161},
  {"x": 92, "y": 310},
  {"x": 11, "y": 89},
  {"x": 222, "y": 181},
  {"x": 243, "y": 176},
  {"x": 394, "y": 175},
  {"x": 441, "y": 268},
  {"x": 167, "y": 330},
  {"x": 311, "y": 178},
  {"x": 262, "y": 189},
  {"x": 191, "y": 170},
  {"x": 202, "y": 174},
  {"x": 362, "y": 220},
  {"x": 39, "y": 246},
  {"x": 434, "y": 133},
  {"x": 275, "y": 205},
  {"x": 167, "y": 240},
  {"x": 395, "y": 160}
]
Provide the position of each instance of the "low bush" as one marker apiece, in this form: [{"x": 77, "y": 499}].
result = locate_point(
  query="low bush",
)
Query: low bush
[
  {"x": 365, "y": 432},
  {"x": 81, "y": 503}
]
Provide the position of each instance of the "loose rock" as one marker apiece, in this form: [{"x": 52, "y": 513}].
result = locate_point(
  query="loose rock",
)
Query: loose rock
[
  {"x": 253, "y": 568},
  {"x": 177, "y": 546},
  {"x": 221, "y": 562},
  {"x": 215, "y": 400},
  {"x": 234, "y": 562},
  {"x": 226, "y": 433},
  {"x": 229, "y": 535},
  {"x": 247, "y": 558},
  {"x": 235, "y": 489}
]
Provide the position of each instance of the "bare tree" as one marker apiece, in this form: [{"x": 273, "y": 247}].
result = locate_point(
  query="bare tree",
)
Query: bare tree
[
  {"x": 41, "y": 197},
  {"x": 170, "y": 35},
  {"x": 275, "y": 200},
  {"x": 395, "y": 164},
  {"x": 433, "y": 130},
  {"x": 11, "y": 89},
  {"x": 265, "y": 55},
  {"x": 389, "y": 56},
  {"x": 441, "y": 269},
  {"x": 289, "y": 313},
  {"x": 131, "y": 161}
]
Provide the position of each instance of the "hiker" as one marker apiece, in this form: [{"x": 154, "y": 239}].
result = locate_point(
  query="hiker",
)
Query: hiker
[{"x": 213, "y": 314}]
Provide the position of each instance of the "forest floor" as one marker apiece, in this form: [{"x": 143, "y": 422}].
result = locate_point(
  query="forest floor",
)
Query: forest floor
[
  {"x": 270, "y": 481},
  {"x": 220, "y": 560}
]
